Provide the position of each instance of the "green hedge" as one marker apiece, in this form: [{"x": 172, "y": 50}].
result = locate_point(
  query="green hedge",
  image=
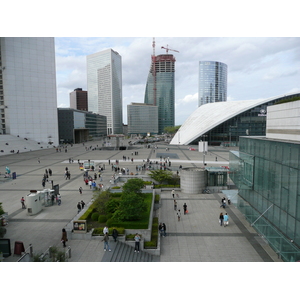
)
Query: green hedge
[
  {"x": 154, "y": 235},
  {"x": 95, "y": 216},
  {"x": 87, "y": 215},
  {"x": 102, "y": 218}
]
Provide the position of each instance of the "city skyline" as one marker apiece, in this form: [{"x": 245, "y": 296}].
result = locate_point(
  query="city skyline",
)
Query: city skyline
[{"x": 258, "y": 68}]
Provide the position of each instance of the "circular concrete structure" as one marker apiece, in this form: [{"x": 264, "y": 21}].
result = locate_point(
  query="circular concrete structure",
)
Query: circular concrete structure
[{"x": 192, "y": 180}]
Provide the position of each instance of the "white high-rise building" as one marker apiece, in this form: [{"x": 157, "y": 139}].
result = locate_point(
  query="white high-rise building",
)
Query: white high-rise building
[
  {"x": 104, "y": 85},
  {"x": 28, "y": 99}
]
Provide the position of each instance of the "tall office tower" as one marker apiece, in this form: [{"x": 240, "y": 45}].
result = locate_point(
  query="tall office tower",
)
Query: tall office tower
[
  {"x": 104, "y": 81},
  {"x": 212, "y": 82},
  {"x": 28, "y": 100},
  {"x": 78, "y": 99},
  {"x": 160, "y": 89}
]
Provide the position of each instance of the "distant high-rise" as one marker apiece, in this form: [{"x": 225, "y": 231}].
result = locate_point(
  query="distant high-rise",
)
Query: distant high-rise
[
  {"x": 28, "y": 99},
  {"x": 78, "y": 99},
  {"x": 104, "y": 82},
  {"x": 162, "y": 90},
  {"x": 212, "y": 82}
]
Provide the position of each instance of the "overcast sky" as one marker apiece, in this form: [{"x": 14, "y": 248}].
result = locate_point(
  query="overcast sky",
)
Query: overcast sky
[{"x": 257, "y": 67}]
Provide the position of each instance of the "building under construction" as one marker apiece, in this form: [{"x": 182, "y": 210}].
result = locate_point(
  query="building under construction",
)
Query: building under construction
[{"x": 160, "y": 88}]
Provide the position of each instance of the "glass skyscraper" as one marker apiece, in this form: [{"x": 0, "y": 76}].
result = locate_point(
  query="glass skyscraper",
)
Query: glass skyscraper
[
  {"x": 104, "y": 82},
  {"x": 212, "y": 82},
  {"x": 162, "y": 90}
]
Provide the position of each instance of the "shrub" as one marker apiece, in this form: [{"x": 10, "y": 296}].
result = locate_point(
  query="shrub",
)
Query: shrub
[
  {"x": 115, "y": 187},
  {"x": 88, "y": 213},
  {"x": 95, "y": 216},
  {"x": 102, "y": 218},
  {"x": 154, "y": 235}
]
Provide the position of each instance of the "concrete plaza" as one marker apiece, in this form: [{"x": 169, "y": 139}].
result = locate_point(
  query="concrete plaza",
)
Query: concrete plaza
[{"x": 198, "y": 237}]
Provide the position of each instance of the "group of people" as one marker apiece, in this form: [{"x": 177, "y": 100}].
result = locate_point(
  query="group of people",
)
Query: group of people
[
  {"x": 223, "y": 218},
  {"x": 80, "y": 206}
]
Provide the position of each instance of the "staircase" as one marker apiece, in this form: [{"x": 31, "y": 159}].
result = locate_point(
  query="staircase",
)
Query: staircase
[{"x": 122, "y": 252}]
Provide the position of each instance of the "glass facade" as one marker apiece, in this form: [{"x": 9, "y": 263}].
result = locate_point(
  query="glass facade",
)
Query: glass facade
[
  {"x": 165, "y": 90},
  {"x": 251, "y": 122},
  {"x": 272, "y": 202},
  {"x": 104, "y": 79},
  {"x": 212, "y": 82},
  {"x": 142, "y": 118}
]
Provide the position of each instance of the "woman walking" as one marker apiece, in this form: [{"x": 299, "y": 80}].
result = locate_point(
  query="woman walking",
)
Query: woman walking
[
  {"x": 64, "y": 238},
  {"x": 221, "y": 219}
]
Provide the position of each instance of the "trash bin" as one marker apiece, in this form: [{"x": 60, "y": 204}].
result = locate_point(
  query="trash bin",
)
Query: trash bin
[
  {"x": 19, "y": 248},
  {"x": 14, "y": 175}
]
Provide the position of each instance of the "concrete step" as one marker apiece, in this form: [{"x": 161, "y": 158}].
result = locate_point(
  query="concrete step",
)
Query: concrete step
[{"x": 122, "y": 252}]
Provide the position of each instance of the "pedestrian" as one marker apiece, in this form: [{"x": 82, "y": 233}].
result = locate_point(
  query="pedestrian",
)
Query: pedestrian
[
  {"x": 23, "y": 203},
  {"x": 115, "y": 234},
  {"x": 223, "y": 204},
  {"x": 184, "y": 208},
  {"x": 79, "y": 207},
  {"x": 178, "y": 215},
  {"x": 105, "y": 230},
  {"x": 137, "y": 239},
  {"x": 105, "y": 240},
  {"x": 82, "y": 204},
  {"x": 173, "y": 193},
  {"x": 160, "y": 228},
  {"x": 58, "y": 199},
  {"x": 164, "y": 228},
  {"x": 50, "y": 172},
  {"x": 226, "y": 220},
  {"x": 80, "y": 190},
  {"x": 221, "y": 219},
  {"x": 64, "y": 237},
  {"x": 175, "y": 204}
]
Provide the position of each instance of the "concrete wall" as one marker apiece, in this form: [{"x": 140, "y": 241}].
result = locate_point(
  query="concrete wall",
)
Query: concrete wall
[
  {"x": 192, "y": 180},
  {"x": 283, "y": 121}
]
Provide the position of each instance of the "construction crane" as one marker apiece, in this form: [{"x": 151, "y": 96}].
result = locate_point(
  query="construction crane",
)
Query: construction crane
[
  {"x": 154, "y": 72},
  {"x": 167, "y": 49}
]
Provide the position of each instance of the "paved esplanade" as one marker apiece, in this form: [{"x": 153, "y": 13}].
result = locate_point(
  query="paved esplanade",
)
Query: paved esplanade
[{"x": 197, "y": 237}]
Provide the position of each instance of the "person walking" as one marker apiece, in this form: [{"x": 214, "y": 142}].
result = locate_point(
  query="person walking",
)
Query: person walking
[
  {"x": 23, "y": 203},
  {"x": 115, "y": 234},
  {"x": 160, "y": 228},
  {"x": 173, "y": 193},
  {"x": 175, "y": 204},
  {"x": 64, "y": 237},
  {"x": 184, "y": 208},
  {"x": 226, "y": 220},
  {"x": 178, "y": 215},
  {"x": 137, "y": 239},
  {"x": 58, "y": 197},
  {"x": 105, "y": 230},
  {"x": 82, "y": 204},
  {"x": 80, "y": 190},
  {"x": 79, "y": 207},
  {"x": 105, "y": 240},
  {"x": 223, "y": 204},
  {"x": 221, "y": 219},
  {"x": 164, "y": 228}
]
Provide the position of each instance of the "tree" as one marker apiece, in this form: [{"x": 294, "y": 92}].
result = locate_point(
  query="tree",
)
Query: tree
[
  {"x": 161, "y": 176},
  {"x": 1, "y": 209},
  {"x": 101, "y": 199},
  {"x": 132, "y": 204},
  {"x": 171, "y": 129}
]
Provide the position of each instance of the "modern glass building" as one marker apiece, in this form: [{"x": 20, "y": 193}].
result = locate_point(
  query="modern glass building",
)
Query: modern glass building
[
  {"x": 104, "y": 82},
  {"x": 223, "y": 123},
  {"x": 77, "y": 126},
  {"x": 142, "y": 118},
  {"x": 160, "y": 89},
  {"x": 28, "y": 99},
  {"x": 212, "y": 85},
  {"x": 266, "y": 172}
]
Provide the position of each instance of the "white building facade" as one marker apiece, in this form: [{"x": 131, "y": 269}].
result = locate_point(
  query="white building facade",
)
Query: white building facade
[
  {"x": 104, "y": 85},
  {"x": 28, "y": 97}
]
